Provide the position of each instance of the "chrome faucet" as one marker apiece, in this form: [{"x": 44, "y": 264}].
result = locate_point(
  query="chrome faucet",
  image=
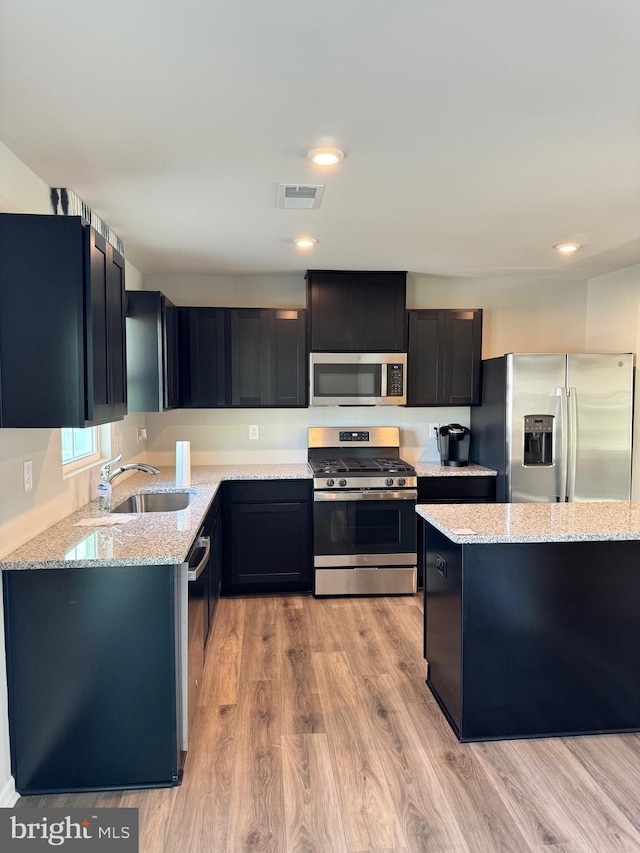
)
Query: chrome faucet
[{"x": 107, "y": 474}]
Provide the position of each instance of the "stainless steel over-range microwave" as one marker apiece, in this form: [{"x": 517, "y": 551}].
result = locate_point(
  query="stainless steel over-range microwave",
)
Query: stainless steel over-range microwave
[{"x": 358, "y": 379}]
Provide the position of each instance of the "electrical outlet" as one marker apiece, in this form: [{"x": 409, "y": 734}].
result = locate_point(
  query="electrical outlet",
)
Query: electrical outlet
[
  {"x": 254, "y": 432},
  {"x": 118, "y": 445},
  {"x": 433, "y": 430},
  {"x": 142, "y": 434},
  {"x": 27, "y": 475}
]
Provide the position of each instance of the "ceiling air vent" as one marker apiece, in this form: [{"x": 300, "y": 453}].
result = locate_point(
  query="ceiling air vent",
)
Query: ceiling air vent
[{"x": 299, "y": 196}]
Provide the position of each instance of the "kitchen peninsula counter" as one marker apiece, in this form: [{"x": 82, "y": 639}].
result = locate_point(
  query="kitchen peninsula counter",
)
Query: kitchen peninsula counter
[
  {"x": 152, "y": 538},
  {"x": 532, "y": 614}
]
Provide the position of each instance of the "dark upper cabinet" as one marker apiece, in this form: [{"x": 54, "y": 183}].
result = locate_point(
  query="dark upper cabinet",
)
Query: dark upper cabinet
[
  {"x": 244, "y": 357},
  {"x": 268, "y": 357},
  {"x": 202, "y": 357},
  {"x": 357, "y": 311},
  {"x": 152, "y": 356},
  {"x": 62, "y": 324},
  {"x": 443, "y": 363}
]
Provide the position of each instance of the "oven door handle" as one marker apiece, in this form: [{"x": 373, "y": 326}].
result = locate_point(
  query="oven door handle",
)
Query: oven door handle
[{"x": 368, "y": 495}]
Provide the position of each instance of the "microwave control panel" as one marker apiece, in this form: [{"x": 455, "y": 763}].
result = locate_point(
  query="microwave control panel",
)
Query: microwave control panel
[{"x": 395, "y": 380}]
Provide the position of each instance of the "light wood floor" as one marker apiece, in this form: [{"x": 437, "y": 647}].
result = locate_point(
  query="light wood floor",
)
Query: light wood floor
[{"x": 316, "y": 732}]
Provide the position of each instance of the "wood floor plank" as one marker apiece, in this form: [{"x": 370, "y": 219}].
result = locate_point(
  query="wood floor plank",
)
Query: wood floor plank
[
  {"x": 599, "y": 821},
  {"x": 224, "y": 653},
  {"x": 613, "y": 762},
  {"x": 418, "y": 797},
  {"x": 484, "y": 822},
  {"x": 370, "y": 819},
  {"x": 363, "y": 642},
  {"x": 209, "y": 768},
  {"x": 324, "y": 625},
  {"x": 260, "y": 640},
  {"x": 154, "y": 815},
  {"x": 256, "y": 805},
  {"x": 313, "y": 819},
  {"x": 401, "y": 638},
  {"x": 542, "y": 818},
  {"x": 302, "y": 710}
]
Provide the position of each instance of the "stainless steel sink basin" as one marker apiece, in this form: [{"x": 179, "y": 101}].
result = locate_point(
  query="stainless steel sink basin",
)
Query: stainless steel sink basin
[{"x": 155, "y": 502}]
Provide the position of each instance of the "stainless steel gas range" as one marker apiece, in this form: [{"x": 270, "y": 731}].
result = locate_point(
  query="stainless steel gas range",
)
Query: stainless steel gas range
[{"x": 364, "y": 499}]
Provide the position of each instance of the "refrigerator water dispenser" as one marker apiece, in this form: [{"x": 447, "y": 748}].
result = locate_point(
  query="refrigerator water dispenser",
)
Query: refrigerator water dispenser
[{"x": 538, "y": 440}]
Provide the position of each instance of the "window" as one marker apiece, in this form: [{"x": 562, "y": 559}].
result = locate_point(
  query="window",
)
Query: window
[{"x": 82, "y": 448}]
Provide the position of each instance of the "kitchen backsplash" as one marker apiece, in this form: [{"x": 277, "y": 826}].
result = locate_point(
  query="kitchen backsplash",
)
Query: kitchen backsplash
[{"x": 221, "y": 436}]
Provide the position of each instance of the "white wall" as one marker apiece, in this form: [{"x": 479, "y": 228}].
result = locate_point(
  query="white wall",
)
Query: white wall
[
  {"x": 520, "y": 314},
  {"x": 612, "y": 311},
  {"x": 287, "y": 290}
]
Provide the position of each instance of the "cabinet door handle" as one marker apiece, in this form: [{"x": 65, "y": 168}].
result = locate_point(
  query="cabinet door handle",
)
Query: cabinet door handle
[{"x": 202, "y": 542}]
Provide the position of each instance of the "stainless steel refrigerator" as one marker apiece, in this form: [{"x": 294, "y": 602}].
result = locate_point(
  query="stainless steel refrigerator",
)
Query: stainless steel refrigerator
[{"x": 556, "y": 426}]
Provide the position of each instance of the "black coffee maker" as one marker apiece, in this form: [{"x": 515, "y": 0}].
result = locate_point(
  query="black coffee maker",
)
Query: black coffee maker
[{"x": 453, "y": 445}]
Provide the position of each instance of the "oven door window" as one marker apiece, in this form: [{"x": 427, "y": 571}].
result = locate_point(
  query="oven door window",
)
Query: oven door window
[
  {"x": 364, "y": 527},
  {"x": 347, "y": 380}
]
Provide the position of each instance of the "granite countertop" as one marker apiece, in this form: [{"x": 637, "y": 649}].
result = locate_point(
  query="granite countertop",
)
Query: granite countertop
[
  {"x": 157, "y": 538},
  {"x": 154, "y": 538},
  {"x": 528, "y": 522},
  {"x": 435, "y": 469}
]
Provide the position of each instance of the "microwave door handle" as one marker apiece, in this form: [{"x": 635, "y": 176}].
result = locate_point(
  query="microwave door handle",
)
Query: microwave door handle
[{"x": 384, "y": 370}]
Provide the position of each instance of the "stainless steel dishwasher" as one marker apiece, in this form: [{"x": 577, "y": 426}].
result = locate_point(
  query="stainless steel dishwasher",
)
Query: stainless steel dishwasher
[{"x": 194, "y": 581}]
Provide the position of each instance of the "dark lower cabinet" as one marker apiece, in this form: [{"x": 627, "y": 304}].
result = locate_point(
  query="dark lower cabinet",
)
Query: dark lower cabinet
[
  {"x": 444, "y": 357},
  {"x": 267, "y": 536},
  {"x": 92, "y": 669},
  {"x": 62, "y": 324},
  {"x": 459, "y": 490},
  {"x": 532, "y": 639}
]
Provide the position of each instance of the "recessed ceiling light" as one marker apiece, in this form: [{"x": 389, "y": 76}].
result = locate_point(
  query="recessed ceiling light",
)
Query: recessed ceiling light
[
  {"x": 325, "y": 156},
  {"x": 567, "y": 248},
  {"x": 305, "y": 242}
]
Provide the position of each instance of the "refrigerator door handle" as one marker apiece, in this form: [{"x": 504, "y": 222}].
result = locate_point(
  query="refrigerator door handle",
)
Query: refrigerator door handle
[
  {"x": 560, "y": 452},
  {"x": 572, "y": 442}
]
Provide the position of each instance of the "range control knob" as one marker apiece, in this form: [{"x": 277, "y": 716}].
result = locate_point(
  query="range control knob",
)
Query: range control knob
[
  {"x": 402, "y": 481},
  {"x": 388, "y": 482},
  {"x": 330, "y": 482},
  {"x": 342, "y": 482}
]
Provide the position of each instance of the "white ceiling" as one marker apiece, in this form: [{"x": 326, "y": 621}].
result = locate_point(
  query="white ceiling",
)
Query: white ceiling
[{"x": 477, "y": 134}]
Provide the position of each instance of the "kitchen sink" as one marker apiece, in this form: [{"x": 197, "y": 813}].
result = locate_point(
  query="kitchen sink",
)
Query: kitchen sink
[{"x": 155, "y": 502}]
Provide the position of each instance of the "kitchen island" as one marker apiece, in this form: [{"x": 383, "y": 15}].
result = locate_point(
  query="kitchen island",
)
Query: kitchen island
[{"x": 532, "y": 617}]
